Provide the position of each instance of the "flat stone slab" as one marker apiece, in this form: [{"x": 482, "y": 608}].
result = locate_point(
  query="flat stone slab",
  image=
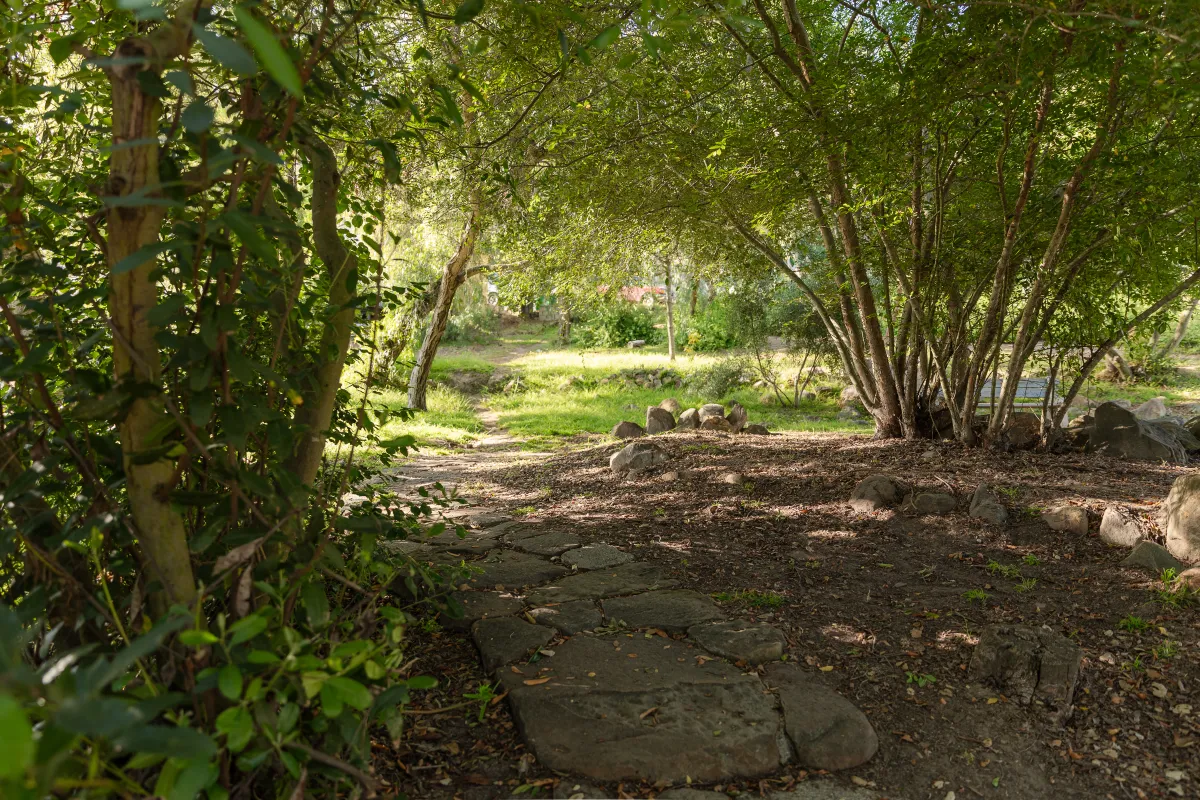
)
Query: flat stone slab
[
  {"x": 827, "y": 730},
  {"x": 739, "y": 640},
  {"x": 481, "y": 605},
  {"x": 673, "y": 610},
  {"x": 503, "y": 640},
  {"x": 570, "y": 617},
  {"x": 692, "y": 794},
  {"x": 825, "y": 790},
  {"x": 568, "y": 789},
  {"x": 596, "y": 556},
  {"x": 548, "y": 544},
  {"x": 471, "y": 544},
  {"x": 631, "y": 578},
  {"x": 513, "y": 570},
  {"x": 613, "y": 709}
]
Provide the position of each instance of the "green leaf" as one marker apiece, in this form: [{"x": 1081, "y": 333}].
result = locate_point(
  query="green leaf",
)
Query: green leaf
[
  {"x": 316, "y": 604},
  {"x": 270, "y": 52},
  {"x": 467, "y": 11},
  {"x": 226, "y": 51},
  {"x": 422, "y": 682},
  {"x": 606, "y": 37},
  {"x": 181, "y": 81},
  {"x": 197, "y": 638},
  {"x": 331, "y": 701},
  {"x": 60, "y": 49},
  {"x": 195, "y": 778},
  {"x": 312, "y": 683},
  {"x": 245, "y": 226},
  {"x": 351, "y": 692},
  {"x": 17, "y": 734},
  {"x": 197, "y": 117},
  {"x": 141, "y": 256},
  {"x": 246, "y": 629},
  {"x": 238, "y": 727},
  {"x": 173, "y": 742},
  {"x": 230, "y": 681}
]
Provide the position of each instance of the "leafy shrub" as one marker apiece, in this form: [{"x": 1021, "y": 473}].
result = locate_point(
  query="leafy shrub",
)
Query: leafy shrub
[
  {"x": 712, "y": 329},
  {"x": 718, "y": 381},
  {"x": 475, "y": 325},
  {"x": 615, "y": 325}
]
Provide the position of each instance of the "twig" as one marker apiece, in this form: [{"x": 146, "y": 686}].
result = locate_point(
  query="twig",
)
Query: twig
[{"x": 369, "y": 784}]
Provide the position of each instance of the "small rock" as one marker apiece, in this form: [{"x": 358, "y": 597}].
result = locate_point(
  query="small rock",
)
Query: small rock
[
  {"x": 574, "y": 790},
  {"x": 689, "y": 418},
  {"x": 1153, "y": 558},
  {"x": 739, "y": 640},
  {"x": 1027, "y": 664},
  {"x": 636, "y": 343},
  {"x": 733, "y": 478},
  {"x": 669, "y": 477},
  {"x": 1120, "y": 528},
  {"x": 671, "y": 406},
  {"x": 627, "y": 430},
  {"x": 502, "y": 640},
  {"x": 986, "y": 507},
  {"x": 658, "y": 420},
  {"x": 1190, "y": 578},
  {"x": 1154, "y": 408},
  {"x": 934, "y": 503},
  {"x": 756, "y": 429},
  {"x": 716, "y": 424},
  {"x": 827, "y": 731},
  {"x": 876, "y": 492},
  {"x": 711, "y": 410},
  {"x": 1068, "y": 519},
  {"x": 1183, "y": 518},
  {"x": 571, "y": 617},
  {"x": 595, "y": 556},
  {"x": 637, "y": 456},
  {"x": 736, "y": 417}
]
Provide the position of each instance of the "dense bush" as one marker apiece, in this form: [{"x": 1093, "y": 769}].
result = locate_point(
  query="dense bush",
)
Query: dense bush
[
  {"x": 474, "y": 325},
  {"x": 712, "y": 329},
  {"x": 615, "y": 325},
  {"x": 716, "y": 382}
]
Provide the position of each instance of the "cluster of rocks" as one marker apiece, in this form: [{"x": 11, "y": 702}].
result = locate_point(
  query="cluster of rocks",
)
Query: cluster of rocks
[
  {"x": 472, "y": 382},
  {"x": 1145, "y": 433},
  {"x": 708, "y": 417},
  {"x": 645, "y": 378},
  {"x": 879, "y": 492}
]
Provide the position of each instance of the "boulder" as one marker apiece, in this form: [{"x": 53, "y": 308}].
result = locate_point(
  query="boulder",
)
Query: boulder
[
  {"x": 877, "y": 492},
  {"x": 1153, "y": 558},
  {"x": 756, "y": 429},
  {"x": 1153, "y": 408},
  {"x": 1187, "y": 440},
  {"x": 709, "y": 410},
  {"x": 808, "y": 396},
  {"x": 850, "y": 414},
  {"x": 986, "y": 507},
  {"x": 637, "y": 456},
  {"x": 468, "y": 381},
  {"x": 1028, "y": 664},
  {"x": 671, "y": 405},
  {"x": 1023, "y": 430},
  {"x": 849, "y": 397},
  {"x": 1189, "y": 578},
  {"x": 737, "y": 417},
  {"x": 1120, "y": 528},
  {"x": 1193, "y": 426},
  {"x": 1068, "y": 519},
  {"x": 1117, "y": 432},
  {"x": 716, "y": 424},
  {"x": 827, "y": 731},
  {"x": 934, "y": 503},
  {"x": 689, "y": 418},
  {"x": 658, "y": 420},
  {"x": 633, "y": 344},
  {"x": 1183, "y": 518},
  {"x": 627, "y": 430}
]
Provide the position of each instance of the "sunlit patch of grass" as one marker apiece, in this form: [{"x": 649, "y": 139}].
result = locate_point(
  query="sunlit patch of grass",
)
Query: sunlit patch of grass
[
  {"x": 451, "y": 419},
  {"x": 752, "y": 598}
]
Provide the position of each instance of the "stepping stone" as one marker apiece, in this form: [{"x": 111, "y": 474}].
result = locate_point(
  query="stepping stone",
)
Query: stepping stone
[
  {"x": 631, "y": 578},
  {"x": 825, "y": 790},
  {"x": 481, "y": 605},
  {"x": 739, "y": 640},
  {"x": 692, "y": 794},
  {"x": 673, "y": 610},
  {"x": 489, "y": 520},
  {"x": 649, "y": 711},
  {"x": 596, "y": 556},
  {"x": 502, "y": 640},
  {"x": 577, "y": 790},
  {"x": 512, "y": 570},
  {"x": 827, "y": 730},
  {"x": 470, "y": 544},
  {"x": 548, "y": 544},
  {"x": 570, "y": 617}
]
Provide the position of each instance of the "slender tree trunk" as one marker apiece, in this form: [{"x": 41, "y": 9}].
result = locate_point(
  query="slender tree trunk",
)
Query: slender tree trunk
[
  {"x": 419, "y": 380},
  {"x": 670, "y": 314},
  {"x": 695, "y": 297},
  {"x": 1181, "y": 329}
]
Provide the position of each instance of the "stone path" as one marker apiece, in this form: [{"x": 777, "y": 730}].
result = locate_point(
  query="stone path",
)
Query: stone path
[{"x": 616, "y": 673}]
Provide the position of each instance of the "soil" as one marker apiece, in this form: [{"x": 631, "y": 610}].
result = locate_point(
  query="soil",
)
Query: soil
[{"x": 877, "y": 602}]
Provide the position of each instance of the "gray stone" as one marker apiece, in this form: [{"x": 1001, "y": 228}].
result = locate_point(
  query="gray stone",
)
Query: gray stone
[
  {"x": 481, "y": 605},
  {"x": 1023, "y": 430},
  {"x": 737, "y": 417},
  {"x": 709, "y": 410},
  {"x": 692, "y": 794},
  {"x": 826, "y": 729},
  {"x": 986, "y": 507},
  {"x": 716, "y": 424},
  {"x": 849, "y": 397},
  {"x": 689, "y": 418},
  {"x": 1120, "y": 528},
  {"x": 570, "y": 617},
  {"x": 627, "y": 430},
  {"x": 1183, "y": 518},
  {"x": 1117, "y": 432},
  {"x": 1190, "y": 578},
  {"x": 1153, "y": 558},
  {"x": 548, "y": 544},
  {"x": 568, "y": 789},
  {"x": 658, "y": 420},
  {"x": 471, "y": 543},
  {"x": 503, "y": 640},
  {"x": 740, "y": 640},
  {"x": 876, "y": 492},
  {"x": 850, "y": 414},
  {"x": 1154, "y": 408},
  {"x": 756, "y": 429},
  {"x": 513, "y": 570},
  {"x": 815, "y": 789},
  {"x": 1028, "y": 664},
  {"x": 1177, "y": 432},
  {"x": 631, "y": 578},
  {"x": 637, "y": 456},
  {"x": 733, "y": 478},
  {"x": 1069, "y": 519},
  {"x": 488, "y": 519},
  {"x": 671, "y": 405},
  {"x": 934, "y": 503},
  {"x": 663, "y": 715},
  {"x": 672, "y": 610},
  {"x": 596, "y": 556}
]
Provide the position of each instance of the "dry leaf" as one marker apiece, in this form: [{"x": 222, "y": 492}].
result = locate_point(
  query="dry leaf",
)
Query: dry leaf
[
  {"x": 236, "y": 556},
  {"x": 535, "y": 681},
  {"x": 647, "y": 712},
  {"x": 827, "y": 668}
]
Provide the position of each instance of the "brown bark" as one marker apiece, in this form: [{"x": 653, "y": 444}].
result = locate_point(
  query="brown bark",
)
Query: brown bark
[{"x": 670, "y": 313}]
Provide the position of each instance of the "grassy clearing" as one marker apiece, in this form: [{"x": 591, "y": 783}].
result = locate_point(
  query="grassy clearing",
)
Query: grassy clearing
[{"x": 451, "y": 420}]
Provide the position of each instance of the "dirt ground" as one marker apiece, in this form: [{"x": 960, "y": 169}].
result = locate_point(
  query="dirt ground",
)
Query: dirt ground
[{"x": 887, "y": 607}]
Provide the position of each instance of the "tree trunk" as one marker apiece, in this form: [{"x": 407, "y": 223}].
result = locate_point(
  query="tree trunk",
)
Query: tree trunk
[
  {"x": 670, "y": 315},
  {"x": 419, "y": 380},
  {"x": 694, "y": 298},
  {"x": 1181, "y": 329}
]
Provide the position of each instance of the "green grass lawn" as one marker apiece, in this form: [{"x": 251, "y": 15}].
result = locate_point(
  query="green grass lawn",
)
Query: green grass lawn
[{"x": 451, "y": 420}]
